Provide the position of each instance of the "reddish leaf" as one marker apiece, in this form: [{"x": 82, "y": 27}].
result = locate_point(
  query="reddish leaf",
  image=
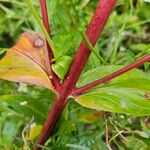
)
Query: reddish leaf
[{"x": 27, "y": 61}]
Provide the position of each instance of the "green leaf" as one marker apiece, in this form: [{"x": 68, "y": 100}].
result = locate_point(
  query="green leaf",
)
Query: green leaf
[
  {"x": 3, "y": 50},
  {"x": 27, "y": 106},
  {"x": 52, "y": 5},
  {"x": 134, "y": 143},
  {"x": 133, "y": 79},
  {"x": 94, "y": 61},
  {"x": 118, "y": 100},
  {"x": 9, "y": 131},
  {"x": 10, "y": 122},
  {"x": 83, "y": 4},
  {"x": 140, "y": 47},
  {"x": 61, "y": 67},
  {"x": 63, "y": 44}
]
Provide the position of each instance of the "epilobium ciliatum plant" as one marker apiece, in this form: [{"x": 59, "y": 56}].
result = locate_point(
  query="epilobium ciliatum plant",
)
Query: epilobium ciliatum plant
[{"x": 33, "y": 60}]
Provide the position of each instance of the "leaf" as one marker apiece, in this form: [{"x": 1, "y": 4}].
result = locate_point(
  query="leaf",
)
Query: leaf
[
  {"x": 130, "y": 56},
  {"x": 27, "y": 106},
  {"x": 2, "y": 50},
  {"x": 133, "y": 79},
  {"x": 27, "y": 61},
  {"x": 9, "y": 131},
  {"x": 61, "y": 67},
  {"x": 134, "y": 143},
  {"x": 83, "y": 4},
  {"x": 33, "y": 45},
  {"x": 34, "y": 131},
  {"x": 94, "y": 61},
  {"x": 87, "y": 116},
  {"x": 63, "y": 44},
  {"x": 64, "y": 125},
  {"x": 51, "y": 6},
  {"x": 140, "y": 47},
  {"x": 118, "y": 100},
  {"x": 124, "y": 94}
]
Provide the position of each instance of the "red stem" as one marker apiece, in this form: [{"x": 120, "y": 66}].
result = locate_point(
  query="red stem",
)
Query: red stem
[
  {"x": 54, "y": 79},
  {"x": 51, "y": 121},
  {"x": 94, "y": 30},
  {"x": 43, "y": 6},
  {"x": 107, "y": 78}
]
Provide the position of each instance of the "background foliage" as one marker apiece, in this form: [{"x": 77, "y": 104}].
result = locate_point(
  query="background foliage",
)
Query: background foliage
[{"x": 23, "y": 108}]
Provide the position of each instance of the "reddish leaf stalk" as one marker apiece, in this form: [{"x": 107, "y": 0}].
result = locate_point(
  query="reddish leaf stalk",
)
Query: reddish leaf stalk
[
  {"x": 93, "y": 32},
  {"x": 54, "y": 79},
  {"x": 109, "y": 77}
]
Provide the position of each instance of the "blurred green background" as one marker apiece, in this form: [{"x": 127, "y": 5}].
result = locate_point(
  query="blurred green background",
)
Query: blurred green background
[{"x": 23, "y": 108}]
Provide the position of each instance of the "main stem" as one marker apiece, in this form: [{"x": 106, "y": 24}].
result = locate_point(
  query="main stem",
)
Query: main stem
[
  {"x": 93, "y": 32},
  {"x": 50, "y": 123},
  {"x": 54, "y": 79}
]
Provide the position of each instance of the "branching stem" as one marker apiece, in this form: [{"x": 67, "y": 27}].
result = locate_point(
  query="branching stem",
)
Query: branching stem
[
  {"x": 109, "y": 77},
  {"x": 67, "y": 89},
  {"x": 99, "y": 19}
]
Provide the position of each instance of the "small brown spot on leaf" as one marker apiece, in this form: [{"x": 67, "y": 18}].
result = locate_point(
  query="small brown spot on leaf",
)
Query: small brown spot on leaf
[
  {"x": 39, "y": 42},
  {"x": 35, "y": 38}
]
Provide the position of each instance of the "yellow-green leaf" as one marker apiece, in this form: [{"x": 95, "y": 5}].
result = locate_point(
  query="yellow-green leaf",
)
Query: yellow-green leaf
[
  {"x": 27, "y": 61},
  {"x": 33, "y": 45},
  {"x": 118, "y": 100},
  {"x": 34, "y": 131}
]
